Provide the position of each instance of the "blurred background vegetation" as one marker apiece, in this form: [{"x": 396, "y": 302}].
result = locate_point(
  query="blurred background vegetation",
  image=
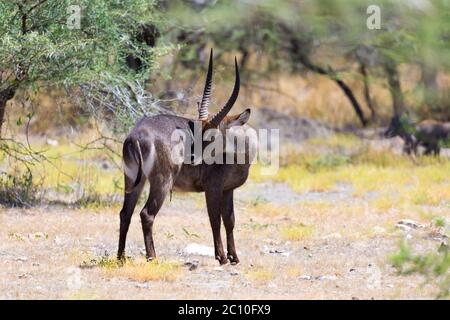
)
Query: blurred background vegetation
[{"x": 69, "y": 93}]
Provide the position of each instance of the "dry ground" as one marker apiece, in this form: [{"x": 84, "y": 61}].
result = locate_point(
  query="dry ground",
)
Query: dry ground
[{"x": 291, "y": 246}]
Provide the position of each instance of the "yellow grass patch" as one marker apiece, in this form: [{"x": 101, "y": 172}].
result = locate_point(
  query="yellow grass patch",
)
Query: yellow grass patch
[
  {"x": 292, "y": 272},
  {"x": 296, "y": 232},
  {"x": 143, "y": 271},
  {"x": 260, "y": 275},
  {"x": 82, "y": 296},
  {"x": 271, "y": 210}
]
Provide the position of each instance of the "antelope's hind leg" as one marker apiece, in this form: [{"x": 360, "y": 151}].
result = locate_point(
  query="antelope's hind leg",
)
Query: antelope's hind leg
[
  {"x": 129, "y": 204},
  {"x": 158, "y": 192}
]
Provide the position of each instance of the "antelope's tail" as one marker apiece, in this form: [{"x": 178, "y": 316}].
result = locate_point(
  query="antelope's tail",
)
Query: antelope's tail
[{"x": 132, "y": 163}]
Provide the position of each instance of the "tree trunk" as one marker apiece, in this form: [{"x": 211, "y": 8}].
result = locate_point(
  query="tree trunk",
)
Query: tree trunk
[
  {"x": 299, "y": 51},
  {"x": 5, "y": 95},
  {"x": 394, "y": 86},
  {"x": 370, "y": 104},
  {"x": 345, "y": 88}
]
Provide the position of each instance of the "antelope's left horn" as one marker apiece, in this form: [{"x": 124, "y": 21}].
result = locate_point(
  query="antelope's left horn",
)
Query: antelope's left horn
[{"x": 234, "y": 95}]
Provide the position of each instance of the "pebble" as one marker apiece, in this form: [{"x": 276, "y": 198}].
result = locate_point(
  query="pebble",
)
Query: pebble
[
  {"x": 198, "y": 249},
  {"x": 411, "y": 224},
  {"x": 326, "y": 277},
  {"x": 192, "y": 265}
]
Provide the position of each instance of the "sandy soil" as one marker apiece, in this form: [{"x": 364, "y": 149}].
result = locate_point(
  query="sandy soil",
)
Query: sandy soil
[{"x": 43, "y": 251}]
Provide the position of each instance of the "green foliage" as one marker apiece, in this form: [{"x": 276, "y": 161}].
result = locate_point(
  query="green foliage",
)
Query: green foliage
[
  {"x": 434, "y": 266},
  {"x": 407, "y": 126},
  {"x": 292, "y": 36},
  {"x": 18, "y": 189},
  {"x": 35, "y": 37},
  {"x": 327, "y": 161},
  {"x": 439, "y": 222}
]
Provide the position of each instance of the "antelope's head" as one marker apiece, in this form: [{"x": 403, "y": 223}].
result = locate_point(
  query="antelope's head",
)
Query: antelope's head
[
  {"x": 222, "y": 127},
  {"x": 221, "y": 120}
]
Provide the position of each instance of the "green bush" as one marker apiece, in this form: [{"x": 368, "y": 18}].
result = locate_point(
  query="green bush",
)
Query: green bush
[
  {"x": 434, "y": 266},
  {"x": 19, "y": 190}
]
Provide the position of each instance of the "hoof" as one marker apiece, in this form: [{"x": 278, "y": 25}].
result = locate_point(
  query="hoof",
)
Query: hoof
[
  {"x": 222, "y": 260},
  {"x": 233, "y": 260},
  {"x": 121, "y": 257}
]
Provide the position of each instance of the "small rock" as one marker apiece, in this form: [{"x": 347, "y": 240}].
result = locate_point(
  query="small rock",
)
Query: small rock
[
  {"x": 142, "y": 285},
  {"x": 192, "y": 265},
  {"x": 22, "y": 259},
  {"x": 409, "y": 223},
  {"x": 234, "y": 273},
  {"x": 352, "y": 270},
  {"x": 331, "y": 277},
  {"x": 355, "y": 298},
  {"x": 23, "y": 276},
  {"x": 218, "y": 269},
  {"x": 306, "y": 277},
  {"x": 310, "y": 255},
  {"x": 198, "y": 249},
  {"x": 390, "y": 285},
  {"x": 282, "y": 252},
  {"x": 403, "y": 227}
]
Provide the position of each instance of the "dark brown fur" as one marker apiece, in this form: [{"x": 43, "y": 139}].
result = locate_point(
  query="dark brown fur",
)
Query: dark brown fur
[
  {"x": 428, "y": 133},
  {"x": 153, "y": 135}
]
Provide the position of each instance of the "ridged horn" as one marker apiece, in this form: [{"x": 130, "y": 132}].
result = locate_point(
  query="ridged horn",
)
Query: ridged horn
[
  {"x": 203, "y": 107},
  {"x": 234, "y": 95}
]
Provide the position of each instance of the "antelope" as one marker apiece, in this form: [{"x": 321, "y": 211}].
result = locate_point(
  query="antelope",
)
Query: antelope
[
  {"x": 428, "y": 133},
  {"x": 147, "y": 157}
]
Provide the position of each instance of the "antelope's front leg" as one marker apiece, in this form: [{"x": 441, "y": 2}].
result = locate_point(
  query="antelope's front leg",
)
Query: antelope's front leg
[{"x": 214, "y": 206}]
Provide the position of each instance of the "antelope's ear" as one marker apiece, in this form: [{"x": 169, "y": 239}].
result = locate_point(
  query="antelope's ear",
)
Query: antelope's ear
[{"x": 239, "y": 120}]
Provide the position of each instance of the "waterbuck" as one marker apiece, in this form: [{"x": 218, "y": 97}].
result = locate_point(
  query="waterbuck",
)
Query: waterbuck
[
  {"x": 428, "y": 133},
  {"x": 147, "y": 156}
]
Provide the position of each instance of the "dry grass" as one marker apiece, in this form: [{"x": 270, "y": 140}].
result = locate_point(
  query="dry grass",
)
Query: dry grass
[
  {"x": 143, "y": 271},
  {"x": 296, "y": 232},
  {"x": 136, "y": 269},
  {"x": 260, "y": 275}
]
